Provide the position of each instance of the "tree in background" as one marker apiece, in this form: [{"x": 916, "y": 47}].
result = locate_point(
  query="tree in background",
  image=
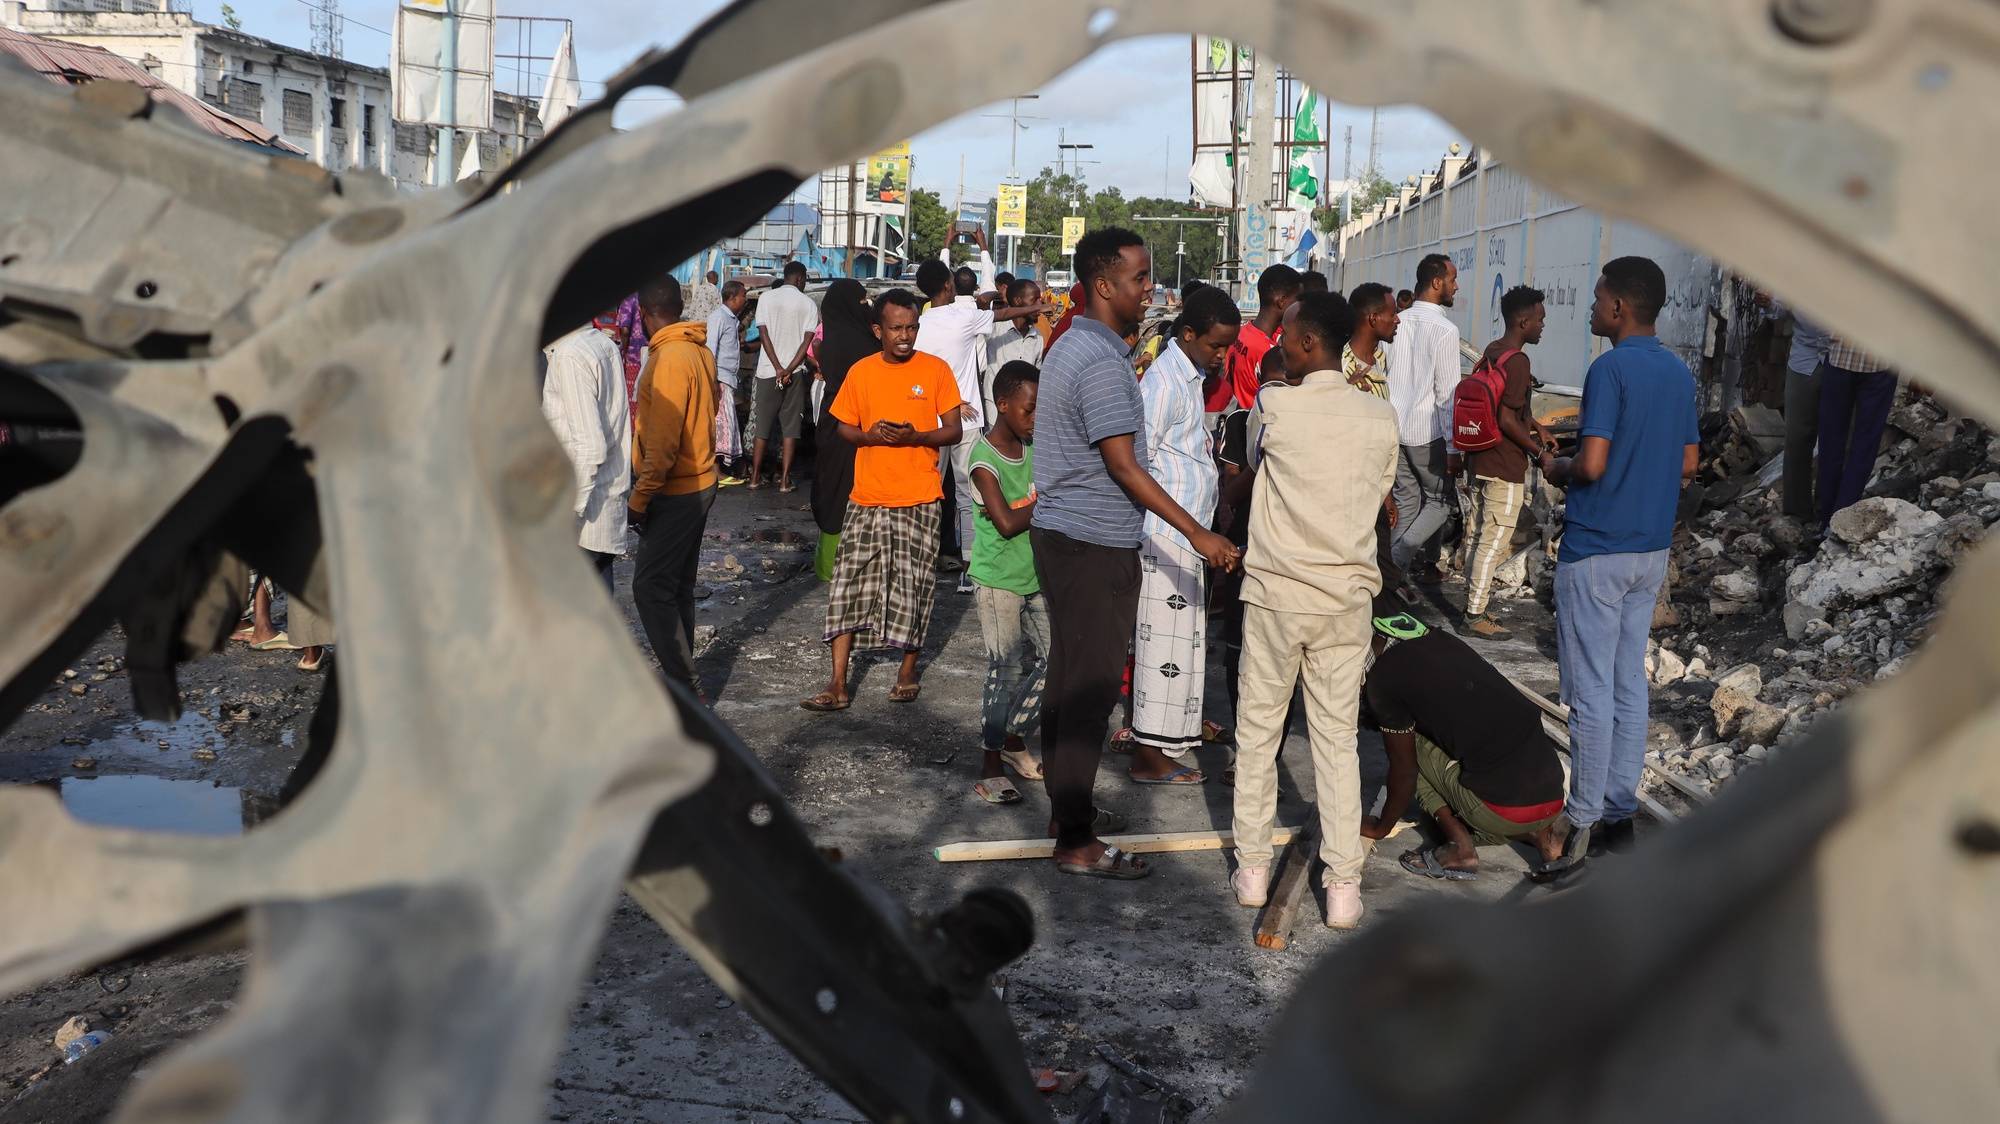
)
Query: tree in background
[
  {"x": 1050, "y": 194},
  {"x": 930, "y": 223},
  {"x": 1366, "y": 196}
]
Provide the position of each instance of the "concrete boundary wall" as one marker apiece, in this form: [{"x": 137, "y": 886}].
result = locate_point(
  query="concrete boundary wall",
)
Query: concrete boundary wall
[{"x": 1504, "y": 230}]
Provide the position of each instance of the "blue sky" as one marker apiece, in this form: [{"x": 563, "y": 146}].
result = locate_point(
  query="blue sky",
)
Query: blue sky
[{"x": 1139, "y": 125}]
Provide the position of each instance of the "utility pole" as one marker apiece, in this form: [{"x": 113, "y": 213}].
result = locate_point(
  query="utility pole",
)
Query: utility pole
[
  {"x": 853, "y": 203},
  {"x": 447, "y": 163},
  {"x": 1374, "y": 145},
  {"x": 1347, "y": 160},
  {"x": 1257, "y": 216},
  {"x": 1014, "y": 130}
]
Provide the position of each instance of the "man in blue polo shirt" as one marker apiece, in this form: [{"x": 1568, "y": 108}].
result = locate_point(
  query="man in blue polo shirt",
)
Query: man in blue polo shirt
[
  {"x": 1092, "y": 491},
  {"x": 1639, "y": 444}
]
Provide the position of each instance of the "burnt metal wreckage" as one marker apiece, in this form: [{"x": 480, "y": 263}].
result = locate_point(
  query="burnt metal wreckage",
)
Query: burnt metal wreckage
[{"x": 315, "y": 376}]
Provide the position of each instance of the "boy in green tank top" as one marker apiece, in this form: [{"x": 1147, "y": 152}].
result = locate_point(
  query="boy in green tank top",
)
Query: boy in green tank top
[{"x": 1013, "y": 616}]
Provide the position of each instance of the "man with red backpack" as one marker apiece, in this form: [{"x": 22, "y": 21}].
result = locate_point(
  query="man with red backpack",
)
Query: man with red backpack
[{"x": 1492, "y": 425}]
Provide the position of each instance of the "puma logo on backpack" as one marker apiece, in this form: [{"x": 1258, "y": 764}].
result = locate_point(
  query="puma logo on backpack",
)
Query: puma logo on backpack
[{"x": 1475, "y": 405}]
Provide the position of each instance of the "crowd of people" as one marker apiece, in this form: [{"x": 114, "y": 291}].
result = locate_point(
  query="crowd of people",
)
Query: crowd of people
[{"x": 1290, "y": 472}]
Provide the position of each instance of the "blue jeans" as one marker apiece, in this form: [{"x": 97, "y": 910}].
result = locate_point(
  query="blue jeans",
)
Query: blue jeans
[{"x": 1604, "y": 611}]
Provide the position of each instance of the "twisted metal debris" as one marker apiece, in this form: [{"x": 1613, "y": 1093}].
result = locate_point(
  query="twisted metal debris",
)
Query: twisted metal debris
[{"x": 331, "y": 383}]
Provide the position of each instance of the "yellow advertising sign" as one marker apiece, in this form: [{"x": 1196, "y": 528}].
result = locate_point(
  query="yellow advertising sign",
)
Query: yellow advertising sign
[
  {"x": 1013, "y": 209},
  {"x": 889, "y": 174},
  {"x": 1072, "y": 232}
]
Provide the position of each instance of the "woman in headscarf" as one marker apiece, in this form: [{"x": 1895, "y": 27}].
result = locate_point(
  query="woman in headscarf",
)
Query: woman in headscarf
[{"x": 848, "y": 321}]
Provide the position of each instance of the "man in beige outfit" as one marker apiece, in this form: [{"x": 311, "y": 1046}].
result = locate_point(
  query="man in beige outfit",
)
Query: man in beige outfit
[{"x": 1325, "y": 462}]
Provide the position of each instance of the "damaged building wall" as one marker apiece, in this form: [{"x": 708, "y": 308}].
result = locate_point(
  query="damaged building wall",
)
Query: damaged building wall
[{"x": 1503, "y": 229}]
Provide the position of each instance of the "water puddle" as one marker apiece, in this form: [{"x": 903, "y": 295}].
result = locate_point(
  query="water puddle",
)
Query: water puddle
[{"x": 159, "y": 804}]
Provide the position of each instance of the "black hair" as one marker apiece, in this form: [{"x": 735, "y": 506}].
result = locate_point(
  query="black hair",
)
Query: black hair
[
  {"x": 1204, "y": 310},
  {"x": 1018, "y": 286},
  {"x": 1099, "y": 250},
  {"x": 901, "y": 298},
  {"x": 1404, "y": 295},
  {"x": 932, "y": 276},
  {"x": 1430, "y": 269},
  {"x": 965, "y": 281},
  {"x": 731, "y": 288},
  {"x": 1313, "y": 281},
  {"x": 1194, "y": 284},
  {"x": 1273, "y": 357},
  {"x": 1002, "y": 281},
  {"x": 795, "y": 269},
  {"x": 659, "y": 297},
  {"x": 1012, "y": 376},
  {"x": 1519, "y": 299},
  {"x": 1368, "y": 299},
  {"x": 1277, "y": 283},
  {"x": 1640, "y": 283},
  {"x": 1326, "y": 317}
]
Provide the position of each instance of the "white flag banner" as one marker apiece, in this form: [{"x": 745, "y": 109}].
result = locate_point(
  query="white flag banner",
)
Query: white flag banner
[
  {"x": 563, "y": 90},
  {"x": 417, "y": 64},
  {"x": 468, "y": 165}
]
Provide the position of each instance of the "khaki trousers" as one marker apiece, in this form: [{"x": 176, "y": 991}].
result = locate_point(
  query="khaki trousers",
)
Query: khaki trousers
[
  {"x": 1278, "y": 650},
  {"x": 1496, "y": 511}
]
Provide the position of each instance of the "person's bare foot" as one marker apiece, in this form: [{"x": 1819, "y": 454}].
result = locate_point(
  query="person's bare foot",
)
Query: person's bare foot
[
  {"x": 1549, "y": 841},
  {"x": 1453, "y": 857}
]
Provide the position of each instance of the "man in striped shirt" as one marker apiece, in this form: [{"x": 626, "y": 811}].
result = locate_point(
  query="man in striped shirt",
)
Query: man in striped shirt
[{"x": 1092, "y": 485}]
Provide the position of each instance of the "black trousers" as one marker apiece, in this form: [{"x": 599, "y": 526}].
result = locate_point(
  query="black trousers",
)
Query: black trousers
[
  {"x": 1093, "y": 596},
  {"x": 663, "y": 576}
]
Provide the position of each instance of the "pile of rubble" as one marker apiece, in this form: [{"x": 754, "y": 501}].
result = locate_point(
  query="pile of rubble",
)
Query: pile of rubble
[{"x": 1777, "y": 624}]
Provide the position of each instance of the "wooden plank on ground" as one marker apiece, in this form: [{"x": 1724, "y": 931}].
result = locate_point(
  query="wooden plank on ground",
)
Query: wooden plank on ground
[
  {"x": 1292, "y": 886},
  {"x": 1136, "y": 843}
]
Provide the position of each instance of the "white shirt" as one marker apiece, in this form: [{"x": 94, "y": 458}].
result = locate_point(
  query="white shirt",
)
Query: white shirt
[
  {"x": 957, "y": 333},
  {"x": 727, "y": 344},
  {"x": 1003, "y": 347},
  {"x": 583, "y": 396},
  {"x": 786, "y": 317},
  {"x": 1423, "y": 374},
  {"x": 1179, "y": 451}
]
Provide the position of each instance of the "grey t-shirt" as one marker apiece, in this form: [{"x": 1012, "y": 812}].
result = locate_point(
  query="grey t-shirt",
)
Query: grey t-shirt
[{"x": 1088, "y": 393}]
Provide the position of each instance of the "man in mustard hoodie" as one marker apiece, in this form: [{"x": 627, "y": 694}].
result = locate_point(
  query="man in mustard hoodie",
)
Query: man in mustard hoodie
[{"x": 673, "y": 475}]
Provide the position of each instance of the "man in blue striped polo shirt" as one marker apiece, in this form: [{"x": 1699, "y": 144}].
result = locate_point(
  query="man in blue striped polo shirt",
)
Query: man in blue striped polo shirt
[{"x": 1092, "y": 492}]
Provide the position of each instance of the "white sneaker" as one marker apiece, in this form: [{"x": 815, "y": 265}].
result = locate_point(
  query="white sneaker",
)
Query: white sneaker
[
  {"x": 1253, "y": 885},
  {"x": 1343, "y": 905}
]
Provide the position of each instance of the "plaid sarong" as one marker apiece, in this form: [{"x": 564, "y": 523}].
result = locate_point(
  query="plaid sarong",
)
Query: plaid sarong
[{"x": 883, "y": 581}]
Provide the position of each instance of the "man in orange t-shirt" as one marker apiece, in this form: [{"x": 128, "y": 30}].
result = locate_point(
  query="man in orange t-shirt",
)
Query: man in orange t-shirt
[{"x": 897, "y": 409}]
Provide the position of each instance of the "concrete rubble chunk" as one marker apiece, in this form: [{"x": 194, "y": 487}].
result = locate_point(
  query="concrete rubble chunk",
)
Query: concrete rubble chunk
[
  {"x": 1879, "y": 517},
  {"x": 1668, "y": 668},
  {"x": 1745, "y": 678},
  {"x": 1734, "y": 585}
]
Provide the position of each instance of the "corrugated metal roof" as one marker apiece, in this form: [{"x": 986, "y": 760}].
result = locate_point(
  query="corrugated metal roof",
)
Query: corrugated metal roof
[{"x": 71, "y": 64}]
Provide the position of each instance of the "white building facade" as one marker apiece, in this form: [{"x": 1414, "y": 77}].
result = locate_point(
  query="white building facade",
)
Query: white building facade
[{"x": 336, "y": 110}]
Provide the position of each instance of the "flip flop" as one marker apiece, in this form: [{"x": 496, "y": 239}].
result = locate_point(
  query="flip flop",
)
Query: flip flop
[
  {"x": 903, "y": 693},
  {"x": 1427, "y": 864},
  {"x": 1122, "y": 741},
  {"x": 1114, "y": 864},
  {"x": 998, "y": 790},
  {"x": 1023, "y": 763},
  {"x": 826, "y": 702},
  {"x": 1212, "y": 732},
  {"x": 1105, "y": 822},
  {"x": 1174, "y": 778},
  {"x": 314, "y": 665},
  {"x": 278, "y": 643}
]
